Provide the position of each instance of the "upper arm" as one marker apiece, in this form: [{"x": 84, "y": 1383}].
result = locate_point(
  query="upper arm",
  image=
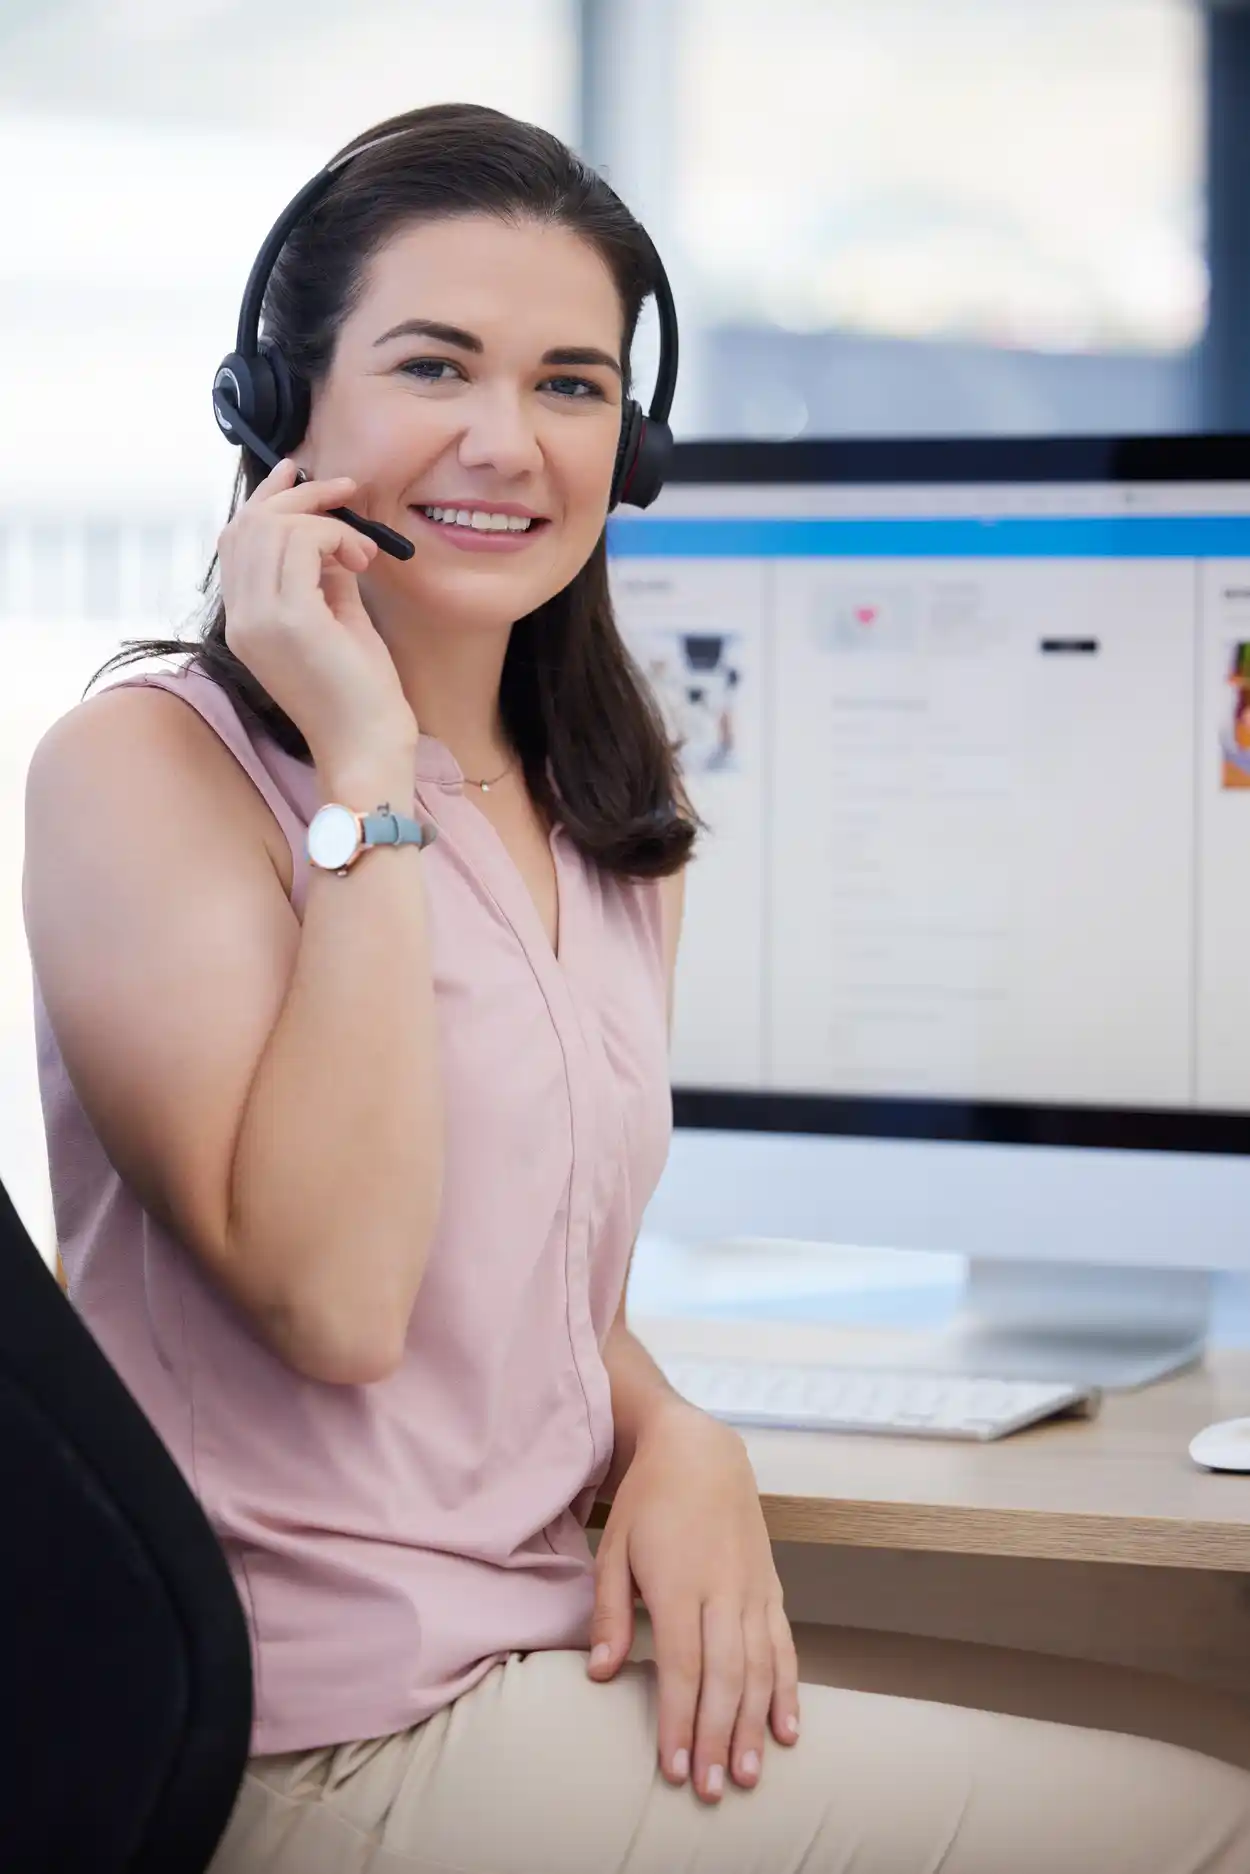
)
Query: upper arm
[{"x": 162, "y": 939}]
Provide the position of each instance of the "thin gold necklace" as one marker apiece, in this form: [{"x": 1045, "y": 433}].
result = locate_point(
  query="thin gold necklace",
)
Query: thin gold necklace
[{"x": 493, "y": 782}]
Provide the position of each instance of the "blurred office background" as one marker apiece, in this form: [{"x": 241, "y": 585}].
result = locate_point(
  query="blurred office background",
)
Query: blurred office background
[{"x": 879, "y": 216}]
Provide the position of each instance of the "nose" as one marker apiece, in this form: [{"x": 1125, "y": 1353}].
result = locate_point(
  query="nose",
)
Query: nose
[{"x": 500, "y": 434}]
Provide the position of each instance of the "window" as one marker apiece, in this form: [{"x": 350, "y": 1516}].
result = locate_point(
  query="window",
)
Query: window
[{"x": 901, "y": 216}]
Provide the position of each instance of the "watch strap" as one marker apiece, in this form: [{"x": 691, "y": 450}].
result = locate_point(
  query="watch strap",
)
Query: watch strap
[{"x": 384, "y": 828}]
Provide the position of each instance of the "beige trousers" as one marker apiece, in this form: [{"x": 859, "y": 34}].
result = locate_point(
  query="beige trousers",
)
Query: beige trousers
[{"x": 906, "y": 1765}]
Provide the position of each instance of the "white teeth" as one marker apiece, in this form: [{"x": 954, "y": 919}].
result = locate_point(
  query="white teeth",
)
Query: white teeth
[{"x": 481, "y": 520}]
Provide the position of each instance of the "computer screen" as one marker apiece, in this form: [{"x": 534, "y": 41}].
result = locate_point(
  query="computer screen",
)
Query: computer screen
[{"x": 969, "y": 727}]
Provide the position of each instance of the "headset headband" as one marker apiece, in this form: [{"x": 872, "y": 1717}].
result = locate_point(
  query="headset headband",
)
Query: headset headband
[{"x": 247, "y": 338}]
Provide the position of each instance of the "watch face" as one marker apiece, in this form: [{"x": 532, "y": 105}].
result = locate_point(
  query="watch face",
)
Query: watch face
[{"x": 333, "y": 837}]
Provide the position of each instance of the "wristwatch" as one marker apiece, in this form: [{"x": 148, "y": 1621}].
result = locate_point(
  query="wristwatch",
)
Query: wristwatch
[{"x": 337, "y": 836}]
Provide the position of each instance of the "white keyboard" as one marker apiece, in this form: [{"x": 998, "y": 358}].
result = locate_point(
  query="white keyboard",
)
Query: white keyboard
[{"x": 866, "y": 1399}]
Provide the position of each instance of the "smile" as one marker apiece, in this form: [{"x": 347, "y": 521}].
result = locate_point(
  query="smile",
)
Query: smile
[
  {"x": 481, "y": 520},
  {"x": 480, "y": 529}
]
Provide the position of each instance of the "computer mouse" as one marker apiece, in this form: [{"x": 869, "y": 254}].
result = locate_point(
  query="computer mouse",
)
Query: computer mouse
[{"x": 1223, "y": 1447}]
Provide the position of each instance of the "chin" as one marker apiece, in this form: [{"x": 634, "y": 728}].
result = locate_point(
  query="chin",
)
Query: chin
[
  {"x": 478, "y": 601},
  {"x": 486, "y": 594}
]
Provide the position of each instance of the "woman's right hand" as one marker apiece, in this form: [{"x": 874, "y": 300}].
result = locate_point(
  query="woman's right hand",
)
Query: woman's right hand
[{"x": 295, "y": 618}]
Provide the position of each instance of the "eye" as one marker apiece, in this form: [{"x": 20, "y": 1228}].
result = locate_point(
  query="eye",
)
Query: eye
[
  {"x": 430, "y": 370},
  {"x": 573, "y": 387}
]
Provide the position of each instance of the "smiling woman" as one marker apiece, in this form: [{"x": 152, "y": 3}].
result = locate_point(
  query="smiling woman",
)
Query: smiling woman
[
  {"x": 458, "y": 310},
  {"x": 354, "y": 943},
  {"x": 497, "y": 387}
]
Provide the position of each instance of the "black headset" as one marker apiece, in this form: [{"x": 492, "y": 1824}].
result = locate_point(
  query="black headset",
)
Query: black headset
[{"x": 261, "y": 402}]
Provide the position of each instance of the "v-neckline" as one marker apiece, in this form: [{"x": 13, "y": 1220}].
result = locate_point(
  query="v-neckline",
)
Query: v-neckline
[
  {"x": 436, "y": 764},
  {"x": 554, "y": 950},
  {"x": 557, "y": 951}
]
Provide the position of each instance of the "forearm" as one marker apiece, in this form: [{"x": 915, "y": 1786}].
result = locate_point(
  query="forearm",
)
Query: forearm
[
  {"x": 641, "y": 1398},
  {"x": 337, "y": 1170}
]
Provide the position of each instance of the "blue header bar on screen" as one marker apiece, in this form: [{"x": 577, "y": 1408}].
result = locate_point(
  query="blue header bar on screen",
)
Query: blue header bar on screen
[{"x": 1117, "y": 537}]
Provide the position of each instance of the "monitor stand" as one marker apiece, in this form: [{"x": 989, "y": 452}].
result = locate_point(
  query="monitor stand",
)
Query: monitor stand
[{"x": 1106, "y": 1326}]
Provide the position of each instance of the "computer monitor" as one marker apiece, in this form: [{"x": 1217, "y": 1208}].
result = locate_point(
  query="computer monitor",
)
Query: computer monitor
[{"x": 966, "y": 960}]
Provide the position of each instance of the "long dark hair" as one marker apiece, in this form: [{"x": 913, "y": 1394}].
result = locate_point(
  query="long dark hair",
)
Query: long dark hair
[{"x": 584, "y": 723}]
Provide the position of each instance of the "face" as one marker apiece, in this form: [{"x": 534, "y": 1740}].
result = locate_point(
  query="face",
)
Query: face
[{"x": 475, "y": 395}]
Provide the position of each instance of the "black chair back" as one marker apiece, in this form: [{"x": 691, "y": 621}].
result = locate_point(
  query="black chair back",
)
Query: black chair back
[{"x": 125, "y": 1653}]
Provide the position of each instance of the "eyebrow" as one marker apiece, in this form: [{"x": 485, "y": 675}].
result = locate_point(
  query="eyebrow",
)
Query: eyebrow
[{"x": 469, "y": 341}]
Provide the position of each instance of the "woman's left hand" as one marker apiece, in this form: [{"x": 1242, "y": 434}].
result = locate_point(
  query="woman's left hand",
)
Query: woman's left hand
[{"x": 687, "y": 1529}]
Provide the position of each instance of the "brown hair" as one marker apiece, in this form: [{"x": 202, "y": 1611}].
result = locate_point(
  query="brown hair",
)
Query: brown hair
[{"x": 584, "y": 723}]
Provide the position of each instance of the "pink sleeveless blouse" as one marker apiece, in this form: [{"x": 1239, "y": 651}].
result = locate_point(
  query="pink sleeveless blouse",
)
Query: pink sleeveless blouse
[{"x": 391, "y": 1541}]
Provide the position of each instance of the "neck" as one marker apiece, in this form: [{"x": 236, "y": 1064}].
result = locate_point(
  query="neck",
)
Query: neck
[{"x": 451, "y": 680}]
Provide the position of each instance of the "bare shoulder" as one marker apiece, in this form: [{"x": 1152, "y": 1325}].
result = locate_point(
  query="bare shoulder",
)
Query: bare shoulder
[
  {"x": 141, "y": 750},
  {"x": 127, "y": 730}
]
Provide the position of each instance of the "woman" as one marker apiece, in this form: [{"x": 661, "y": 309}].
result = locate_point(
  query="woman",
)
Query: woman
[{"x": 348, "y": 1166}]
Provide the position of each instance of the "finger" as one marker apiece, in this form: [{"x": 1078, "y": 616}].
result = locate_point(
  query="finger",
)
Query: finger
[
  {"x": 309, "y": 497},
  {"x": 281, "y": 475},
  {"x": 339, "y": 585},
  {"x": 355, "y": 556},
  {"x": 251, "y": 554},
  {"x": 250, "y": 572},
  {"x": 308, "y": 552},
  {"x": 612, "y": 1623},
  {"x": 785, "y": 1704},
  {"x": 720, "y": 1695},
  {"x": 345, "y": 551},
  {"x": 747, "y": 1753},
  {"x": 278, "y": 567},
  {"x": 354, "y": 553},
  {"x": 677, "y": 1633}
]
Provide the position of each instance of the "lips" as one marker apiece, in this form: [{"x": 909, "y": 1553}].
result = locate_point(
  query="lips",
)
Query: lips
[
  {"x": 480, "y": 518},
  {"x": 480, "y": 529}
]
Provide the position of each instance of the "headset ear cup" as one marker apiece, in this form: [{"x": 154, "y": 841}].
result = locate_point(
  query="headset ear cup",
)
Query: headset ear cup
[
  {"x": 247, "y": 383},
  {"x": 626, "y": 450},
  {"x": 642, "y": 475},
  {"x": 268, "y": 395},
  {"x": 290, "y": 400}
]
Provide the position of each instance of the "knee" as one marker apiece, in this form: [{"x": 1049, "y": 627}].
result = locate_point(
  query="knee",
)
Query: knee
[
  {"x": 1213, "y": 1799},
  {"x": 1168, "y": 1809}
]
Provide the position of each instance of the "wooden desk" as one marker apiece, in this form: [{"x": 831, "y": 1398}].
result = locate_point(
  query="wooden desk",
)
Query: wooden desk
[
  {"x": 1117, "y": 1488},
  {"x": 1094, "y": 1539}
]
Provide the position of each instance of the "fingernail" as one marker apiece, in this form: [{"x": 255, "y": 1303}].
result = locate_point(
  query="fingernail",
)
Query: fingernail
[
  {"x": 600, "y": 1656},
  {"x": 792, "y": 1725},
  {"x": 715, "y": 1780},
  {"x": 681, "y": 1765},
  {"x": 751, "y": 1763}
]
